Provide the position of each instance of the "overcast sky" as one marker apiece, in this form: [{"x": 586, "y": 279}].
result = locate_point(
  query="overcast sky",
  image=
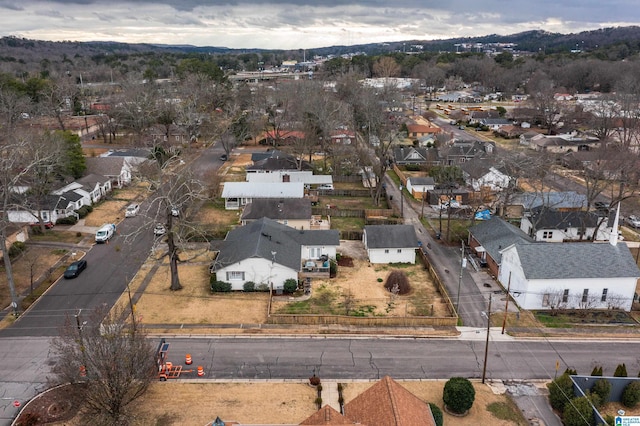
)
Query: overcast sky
[{"x": 289, "y": 24}]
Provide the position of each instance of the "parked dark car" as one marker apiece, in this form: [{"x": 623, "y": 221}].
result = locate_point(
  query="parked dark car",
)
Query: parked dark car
[
  {"x": 599, "y": 205},
  {"x": 75, "y": 268},
  {"x": 224, "y": 157}
]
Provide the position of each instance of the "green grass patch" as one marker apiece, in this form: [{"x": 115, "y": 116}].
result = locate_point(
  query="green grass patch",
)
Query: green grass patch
[
  {"x": 507, "y": 410},
  {"x": 572, "y": 317},
  {"x": 347, "y": 223},
  {"x": 58, "y": 236}
]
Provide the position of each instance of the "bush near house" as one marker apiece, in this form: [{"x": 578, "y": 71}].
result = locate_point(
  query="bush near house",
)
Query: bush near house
[
  {"x": 69, "y": 220},
  {"x": 16, "y": 248},
  {"x": 601, "y": 388},
  {"x": 437, "y": 414},
  {"x": 220, "y": 287},
  {"x": 458, "y": 395},
  {"x": 560, "y": 392},
  {"x": 249, "y": 286},
  {"x": 290, "y": 285},
  {"x": 631, "y": 395},
  {"x": 578, "y": 412}
]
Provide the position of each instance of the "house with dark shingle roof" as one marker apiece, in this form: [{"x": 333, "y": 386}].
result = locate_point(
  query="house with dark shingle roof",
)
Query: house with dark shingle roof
[
  {"x": 516, "y": 205},
  {"x": 268, "y": 253},
  {"x": 390, "y": 243},
  {"x": 489, "y": 237},
  {"x": 569, "y": 275},
  {"x": 550, "y": 225},
  {"x": 293, "y": 212},
  {"x": 485, "y": 173}
]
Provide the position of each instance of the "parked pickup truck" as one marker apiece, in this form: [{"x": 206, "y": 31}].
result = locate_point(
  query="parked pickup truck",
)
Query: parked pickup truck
[{"x": 105, "y": 233}]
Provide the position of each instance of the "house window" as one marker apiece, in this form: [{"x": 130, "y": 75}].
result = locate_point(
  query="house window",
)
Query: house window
[
  {"x": 314, "y": 252},
  {"x": 399, "y": 250},
  {"x": 585, "y": 295},
  {"x": 547, "y": 235},
  {"x": 604, "y": 294},
  {"x": 565, "y": 295},
  {"x": 386, "y": 251},
  {"x": 235, "y": 276},
  {"x": 545, "y": 299}
]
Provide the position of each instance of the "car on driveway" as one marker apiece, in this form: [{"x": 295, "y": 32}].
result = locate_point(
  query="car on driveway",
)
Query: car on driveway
[
  {"x": 47, "y": 225},
  {"x": 75, "y": 269},
  {"x": 132, "y": 210},
  {"x": 600, "y": 205},
  {"x": 633, "y": 221},
  {"x": 224, "y": 157},
  {"x": 159, "y": 229}
]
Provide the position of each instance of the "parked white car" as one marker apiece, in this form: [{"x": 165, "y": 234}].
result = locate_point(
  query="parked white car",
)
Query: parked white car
[
  {"x": 132, "y": 210},
  {"x": 633, "y": 221},
  {"x": 159, "y": 230}
]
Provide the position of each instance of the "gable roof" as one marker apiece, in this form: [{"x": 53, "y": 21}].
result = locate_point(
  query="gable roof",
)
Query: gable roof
[
  {"x": 91, "y": 180},
  {"x": 410, "y": 154},
  {"x": 556, "y": 200},
  {"x": 544, "y": 218},
  {"x": 258, "y": 156},
  {"x": 263, "y": 237},
  {"x": 287, "y": 208},
  {"x": 278, "y": 163},
  {"x": 386, "y": 403},
  {"x": 105, "y": 166},
  {"x": 391, "y": 236},
  {"x": 326, "y": 416},
  {"x": 479, "y": 167},
  {"x": 576, "y": 260},
  {"x": 263, "y": 190},
  {"x": 496, "y": 234},
  {"x": 421, "y": 180}
]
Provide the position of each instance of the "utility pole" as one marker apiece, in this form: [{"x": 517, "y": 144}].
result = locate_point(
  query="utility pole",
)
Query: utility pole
[
  {"x": 506, "y": 305},
  {"x": 486, "y": 345},
  {"x": 401, "y": 203},
  {"x": 463, "y": 264}
]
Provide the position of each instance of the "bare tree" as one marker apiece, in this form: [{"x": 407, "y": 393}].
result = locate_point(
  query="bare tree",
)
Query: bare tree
[
  {"x": 386, "y": 67},
  {"x": 111, "y": 356},
  {"x": 554, "y": 299}
]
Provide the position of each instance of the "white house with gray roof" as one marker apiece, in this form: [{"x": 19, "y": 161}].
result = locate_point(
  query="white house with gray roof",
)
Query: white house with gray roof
[
  {"x": 239, "y": 194},
  {"x": 569, "y": 275},
  {"x": 268, "y": 253},
  {"x": 390, "y": 243}
]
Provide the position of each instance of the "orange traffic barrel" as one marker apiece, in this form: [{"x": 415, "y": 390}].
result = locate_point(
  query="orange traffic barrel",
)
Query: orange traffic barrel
[
  {"x": 187, "y": 359},
  {"x": 83, "y": 371},
  {"x": 200, "y": 371}
]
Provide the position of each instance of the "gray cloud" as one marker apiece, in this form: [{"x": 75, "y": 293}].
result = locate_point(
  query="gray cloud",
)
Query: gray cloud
[{"x": 301, "y": 23}]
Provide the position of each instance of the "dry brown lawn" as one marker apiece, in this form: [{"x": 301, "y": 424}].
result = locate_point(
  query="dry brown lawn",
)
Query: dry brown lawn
[
  {"x": 210, "y": 214},
  {"x": 112, "y": 210},
  {"x": 35, "y": 262},
  {"x": 194, "y": 304}
]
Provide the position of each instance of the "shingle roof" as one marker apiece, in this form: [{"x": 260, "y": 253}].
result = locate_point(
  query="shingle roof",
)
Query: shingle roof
[
  {"x": 543, "y": 218},
  {"x": 287, "y": 208},
  {"x": 422, "y": 180},
  {"x": 263, "y": 237},
  {"x": 391, "y": 236},
  {"x": 556, "y": 200},
  {"x": 386, "y": 403},
  {"x": 326, "y": 416},
  {"x": 105, "y": 166},
  {"x": 576, "y": 260},
  {"x": 263, "y": 190},
  {"x": 495, "y": 234}
]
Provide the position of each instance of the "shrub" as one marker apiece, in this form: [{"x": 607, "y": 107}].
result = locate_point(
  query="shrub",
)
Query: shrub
[
  {"x": 631, "y": 395},
  {"x": 570, "y": 371},
  {"x": 621, "y": 371},
  {"x": 290, "y": 285},
  {"x": 262, "y": 287},
  {"x": 597, "y": 371},
  {"x": 578, "y": 412},
  {"x": 220, "y": 287},
  {"x": 69, "y": 220},
  {"x": 17, "y": 248},
  {"x": 560, "y": 392},
  {"x": 398, "y": 283},
  {"x": 333, "y": 268},
  {"x": 319, "y": 388},
  {"x": 249, "y": 286},
  {"x": 314, "y": 380},
  {"x": 83, "y": 211},
  {"x": 602, "y": 388},
  {"x": 318, "y": 402},
  {"x": 437, "y": 414},
  {"x": 458, "y": 395}
]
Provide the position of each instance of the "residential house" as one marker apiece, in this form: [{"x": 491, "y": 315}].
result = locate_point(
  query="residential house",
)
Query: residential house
[
  {"x": 266, "y": 252},
  {"x": 344, "y": 137},
  {"x": 417, "y": 131},
  {"x": 239, "y": 194},
  {"x": 489, "y": 237},
  {"x": 277, "y": 162},
  {"x": 443, "y": 198},
  {"x": 484, "y": 173},
  {"x": 49, "y": 208},
  {"x": 516, "y": 205},
  {"x": 510, "y": 131},
  {"x": 293, "y": 212},
  {"x": 404, "y": 155},
  {"x": 390, "y": 243},
  {"x": 564, "y": 143},
  {"x": 549, "y": 225},
  {"x": 118, "y": 169},
  {"x": 281, "y": 137},
  {"x": 495, "y": 123},
  {"x": 96, "y": 186},
  {"x": 529, "y": 137},
  {"x": 569, "y": 275},
  {"x": 475, "y": 117},
  {"x": 457, "y": 152},
  {"x": 419, "y": 186},
  {"x": 386, "y": 403}
]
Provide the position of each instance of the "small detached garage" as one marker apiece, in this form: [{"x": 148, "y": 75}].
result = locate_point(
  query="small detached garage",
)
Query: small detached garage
[{"x": 390, "y": 243}]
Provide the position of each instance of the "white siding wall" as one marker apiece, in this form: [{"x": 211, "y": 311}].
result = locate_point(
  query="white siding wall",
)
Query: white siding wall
[
  {"x": 407, "y": 255},
  {"x": 306, "y": 252},
  {"x": 260, "y": 271}
]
